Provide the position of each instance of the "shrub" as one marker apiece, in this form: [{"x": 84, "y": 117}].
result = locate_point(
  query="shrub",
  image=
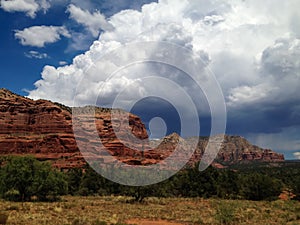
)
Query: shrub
[
  {"x": 225, "y": 214},
  {"x": 12, "y": 195}
]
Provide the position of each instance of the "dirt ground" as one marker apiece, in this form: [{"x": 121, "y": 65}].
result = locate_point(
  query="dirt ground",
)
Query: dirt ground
[{"x": 149, "y": 222}]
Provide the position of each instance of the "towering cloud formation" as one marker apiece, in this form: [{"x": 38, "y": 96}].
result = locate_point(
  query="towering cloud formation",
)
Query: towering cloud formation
[{"x": 252, "y": 46}]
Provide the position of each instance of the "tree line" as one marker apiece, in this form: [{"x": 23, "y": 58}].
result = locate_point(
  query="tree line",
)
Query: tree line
[{"x": 27, "y": 179}]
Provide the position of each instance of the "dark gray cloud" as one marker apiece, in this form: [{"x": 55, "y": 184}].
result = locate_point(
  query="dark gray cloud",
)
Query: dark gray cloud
[{"x": 109, "y": 7}]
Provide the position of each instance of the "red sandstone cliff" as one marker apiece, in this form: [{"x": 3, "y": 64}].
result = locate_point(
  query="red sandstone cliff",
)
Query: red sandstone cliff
[{"x": 44, "y": 129}]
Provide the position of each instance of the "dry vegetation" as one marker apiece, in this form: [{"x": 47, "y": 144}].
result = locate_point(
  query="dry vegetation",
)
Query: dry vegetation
[{"x": 120, "y": 210}]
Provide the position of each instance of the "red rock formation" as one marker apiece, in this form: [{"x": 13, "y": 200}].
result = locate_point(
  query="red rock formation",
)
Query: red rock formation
[
  {"x": 40, "y": 128},
  {"x": 234, "y": 149},
  {"x": 44, "y": 129},
  {"x": 238, "y": 149}
]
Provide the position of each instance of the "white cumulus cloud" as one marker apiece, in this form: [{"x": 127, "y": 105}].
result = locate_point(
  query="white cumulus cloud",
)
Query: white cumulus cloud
[
  {"x": 297, "y": 155},
  {"x": 36, "y": 55},
  {"x": 30, "y": 7},
  {"x": 38, "y": 36},
  {"x": 94, "y": 22},
  {"x": 62, "y": 63}
]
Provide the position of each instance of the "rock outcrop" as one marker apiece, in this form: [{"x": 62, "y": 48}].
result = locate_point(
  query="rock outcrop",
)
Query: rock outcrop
[
  {"x": 236, "y": 149},
  {"x": 45, "y": 129}
]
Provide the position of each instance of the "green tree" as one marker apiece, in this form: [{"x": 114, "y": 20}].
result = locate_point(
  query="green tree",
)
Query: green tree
[
  {"x": 226, "y": 184},
  {"x": 296, "y": 186},
  {"x": 193, "y": 183},
  {"x": 25, "y": 177},
  {"x": 92, "y": 183},
  {"x": 48, "y": 184},
  {"x": 140, "y": 193},
  {"x": 256, "y": 186},
  {"x": 74, "y": 180}
]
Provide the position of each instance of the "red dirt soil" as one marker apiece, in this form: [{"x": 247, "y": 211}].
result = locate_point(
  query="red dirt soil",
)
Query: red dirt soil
[{"x": 149, "y": 222}]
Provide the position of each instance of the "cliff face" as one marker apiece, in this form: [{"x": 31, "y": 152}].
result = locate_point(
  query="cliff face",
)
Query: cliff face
[
  {"x": 236, "y": 149},
  {"x": 35, "y": 127},
  {"x": 44, "y": 129}
]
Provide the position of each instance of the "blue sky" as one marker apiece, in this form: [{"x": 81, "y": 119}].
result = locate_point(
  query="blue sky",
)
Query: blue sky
[
  {"x": 18, "y": 71},
  {"x": 48, "y": 48}
]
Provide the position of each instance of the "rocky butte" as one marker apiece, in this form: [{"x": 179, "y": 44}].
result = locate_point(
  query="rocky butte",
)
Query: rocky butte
[{"x": 45, "y": 130}]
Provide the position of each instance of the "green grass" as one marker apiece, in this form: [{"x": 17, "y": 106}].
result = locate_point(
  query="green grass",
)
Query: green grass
[{"x": 117, "y": 210}]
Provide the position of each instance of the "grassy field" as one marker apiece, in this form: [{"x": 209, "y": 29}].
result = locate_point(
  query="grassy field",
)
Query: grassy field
[{"x": 154, "y": 211}]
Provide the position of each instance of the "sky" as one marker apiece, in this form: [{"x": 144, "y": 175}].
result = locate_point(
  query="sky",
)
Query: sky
[{"x": 54, "y": 49}]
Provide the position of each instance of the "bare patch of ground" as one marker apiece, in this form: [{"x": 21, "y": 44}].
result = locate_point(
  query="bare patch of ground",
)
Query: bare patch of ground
[{"x": 149, "y": 222}]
